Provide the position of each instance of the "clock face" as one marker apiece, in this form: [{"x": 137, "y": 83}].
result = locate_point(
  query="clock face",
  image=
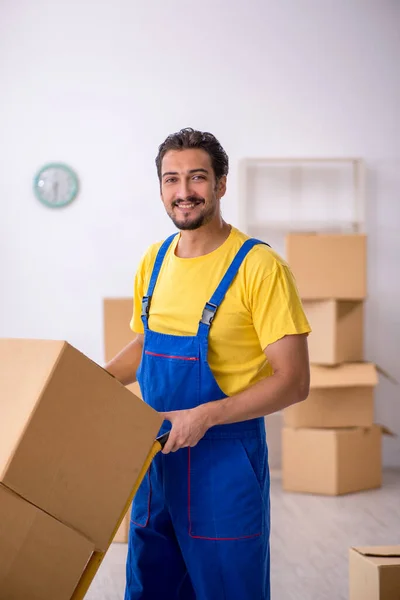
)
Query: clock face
[{"x": 56, "y": 185}]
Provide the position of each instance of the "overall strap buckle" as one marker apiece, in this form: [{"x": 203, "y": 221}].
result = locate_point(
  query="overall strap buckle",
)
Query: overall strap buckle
[
  {"x": 146, "y": 306},
  {"x": 208, "y": 313}
]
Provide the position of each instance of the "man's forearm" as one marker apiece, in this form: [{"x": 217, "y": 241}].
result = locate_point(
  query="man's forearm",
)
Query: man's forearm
[
  {"x": 125, "y": 364},
  {"x": 263, "y": 398}
]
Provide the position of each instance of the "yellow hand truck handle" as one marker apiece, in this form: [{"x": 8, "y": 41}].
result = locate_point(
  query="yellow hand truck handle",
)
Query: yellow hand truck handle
[{"x": 97, "y": 557}]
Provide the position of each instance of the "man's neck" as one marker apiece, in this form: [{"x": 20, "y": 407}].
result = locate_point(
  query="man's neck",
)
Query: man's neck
[{"x": 202, "y": 241}]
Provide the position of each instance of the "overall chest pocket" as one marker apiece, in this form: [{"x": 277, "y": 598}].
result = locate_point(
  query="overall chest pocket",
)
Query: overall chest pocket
[
  {"x": 169, "y": 381},
  {"x": 227, "y": 489}
]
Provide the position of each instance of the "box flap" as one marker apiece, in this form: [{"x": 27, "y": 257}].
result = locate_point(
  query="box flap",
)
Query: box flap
[
  {"x": 379, "y": 551},
  {"x": 386, "y": 431},
  {"x": 25, "y": 366},
  {"x": 345, "y": 375},
  {"x": 387, "y": 375},
  {"x": 50, "y": 556}
]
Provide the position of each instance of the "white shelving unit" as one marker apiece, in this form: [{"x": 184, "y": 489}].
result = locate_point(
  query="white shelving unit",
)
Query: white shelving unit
[
  {"x": 282, "y": 195},
  {"x": 278, "y": 196}
]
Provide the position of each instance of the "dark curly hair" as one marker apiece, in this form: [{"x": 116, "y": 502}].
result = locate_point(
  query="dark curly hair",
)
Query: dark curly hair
[{"x": 190, "y": 138}]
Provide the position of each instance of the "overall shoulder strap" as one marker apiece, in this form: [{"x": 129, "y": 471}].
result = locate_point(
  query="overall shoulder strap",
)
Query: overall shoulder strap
[
  {"x": 154, "y": 275},
  {"x": 212, "y": 305}
]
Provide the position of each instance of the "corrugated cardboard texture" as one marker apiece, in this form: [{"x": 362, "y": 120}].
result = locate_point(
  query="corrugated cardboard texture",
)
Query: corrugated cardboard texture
[
  {"x": 328, "y": 266},
  {"x": 341, "y": 396},
  {"x": 337, "y": 331},
  {"x": 363, "y": 579},
  {"x": 346, "y": 375},
  {"x": 333, "y": 407},
  {"x": 374, "y": 573},
  {"x": 273, "y": 425},
  {"x": 329, "y": 461},
  {"x": 381, "y": 555},
  {"x": 40, "y": 559},
  {"x": 23, "y": 374},
  {"x": 117, "y": 332},
  {"x": 83, "y": 446},
  {"x": 359, "y": 459}
]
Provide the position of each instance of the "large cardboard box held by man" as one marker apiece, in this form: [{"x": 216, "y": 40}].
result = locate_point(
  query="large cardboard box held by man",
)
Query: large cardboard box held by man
[
  {"x": 73, "y": 438},
  {"x": 337, "y": 331},
  {"x": 40, "y": 558},
  {"x": 331, "y": 461},
  {"x": 374, "y": 573},
  {"x": 328, "y": 265},
  {"x": 341, "y": 396}
]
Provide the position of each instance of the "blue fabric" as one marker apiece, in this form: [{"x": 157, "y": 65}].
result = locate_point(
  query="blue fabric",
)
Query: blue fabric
[{"x": 201, "y": 518}]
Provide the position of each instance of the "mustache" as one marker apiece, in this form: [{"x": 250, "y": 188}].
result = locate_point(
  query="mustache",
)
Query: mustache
[{"x": 193, "y": 199}]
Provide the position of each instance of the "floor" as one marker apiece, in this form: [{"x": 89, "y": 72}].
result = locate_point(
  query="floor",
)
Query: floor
[{"x": 310, "y": 539}]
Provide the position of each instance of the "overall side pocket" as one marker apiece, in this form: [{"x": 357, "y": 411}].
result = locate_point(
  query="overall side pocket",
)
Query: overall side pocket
[{"x": 224, "y": 494}]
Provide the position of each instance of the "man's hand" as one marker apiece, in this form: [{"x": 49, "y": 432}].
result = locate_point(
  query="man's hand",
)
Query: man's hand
[{"x": 188, "y": 427}]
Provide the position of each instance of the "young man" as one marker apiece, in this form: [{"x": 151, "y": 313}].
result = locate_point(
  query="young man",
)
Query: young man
[{"x": 221, "y": 341}]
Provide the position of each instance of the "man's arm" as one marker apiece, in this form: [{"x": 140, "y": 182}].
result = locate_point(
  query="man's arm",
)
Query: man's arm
[
  {"x": 289, "y": 384},
  {"x": 125, "y": 364}
]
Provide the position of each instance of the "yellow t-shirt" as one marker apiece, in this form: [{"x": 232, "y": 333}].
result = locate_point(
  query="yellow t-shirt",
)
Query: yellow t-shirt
[{"x": 261, "y": 306}]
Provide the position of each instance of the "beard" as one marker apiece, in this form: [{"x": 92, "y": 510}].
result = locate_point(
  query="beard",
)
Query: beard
[{"x": 187, "y": 222}]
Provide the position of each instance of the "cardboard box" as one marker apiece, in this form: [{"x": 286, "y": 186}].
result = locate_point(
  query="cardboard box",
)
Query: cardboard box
[
  {"x": 273, "y": 426},
  {"x": 331, "y": 461},
  {"x": 337, "y": 331},
  {"x": 374, "y": 573},
  {"x": 328, "y": 265},
  {"x": 117, "y": 314},
  {"x": 340, "y": 396},
  {"x": 40, "y": 558},
  {"x": 73, "y": 438}
]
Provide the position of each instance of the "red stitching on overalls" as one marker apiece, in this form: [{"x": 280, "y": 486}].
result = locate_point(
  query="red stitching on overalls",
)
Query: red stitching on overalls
[
  {"x": 201, "y": 537},
  {"x": 148, "y": 505},
  {"x": 171, "y": 356}
]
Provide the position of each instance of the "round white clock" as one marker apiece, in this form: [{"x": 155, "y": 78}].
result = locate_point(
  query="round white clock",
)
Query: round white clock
[{"x": 56, "y": 185}]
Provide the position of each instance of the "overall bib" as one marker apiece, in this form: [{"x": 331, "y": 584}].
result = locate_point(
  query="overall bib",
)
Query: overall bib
[{"x": 200, "y": 520}]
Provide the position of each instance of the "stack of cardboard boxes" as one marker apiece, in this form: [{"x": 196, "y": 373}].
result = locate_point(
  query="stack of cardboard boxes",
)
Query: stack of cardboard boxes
[
  {"x": 73, "y": 441},
  {"x": 330, "y": 444}
]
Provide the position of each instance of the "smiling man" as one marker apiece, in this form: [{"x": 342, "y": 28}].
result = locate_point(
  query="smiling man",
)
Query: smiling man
[{"x": 221, "y": 341}]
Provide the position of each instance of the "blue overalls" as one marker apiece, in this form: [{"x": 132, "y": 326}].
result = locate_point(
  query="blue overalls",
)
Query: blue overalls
[{"x": 201, "y": 518}]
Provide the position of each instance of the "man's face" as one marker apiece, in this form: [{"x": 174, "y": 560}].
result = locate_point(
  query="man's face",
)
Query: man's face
[{"x": 189, "y": 190}]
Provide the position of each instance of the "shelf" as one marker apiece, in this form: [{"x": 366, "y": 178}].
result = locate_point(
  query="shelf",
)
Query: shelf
[
  {"x": 301, "y": 194},
  {"x": 256, "y": 161},
  {"x": 304, "y": 226}
]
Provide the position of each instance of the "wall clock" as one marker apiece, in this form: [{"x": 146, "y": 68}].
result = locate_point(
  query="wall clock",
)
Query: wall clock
[{"x": 56, "y": 185}]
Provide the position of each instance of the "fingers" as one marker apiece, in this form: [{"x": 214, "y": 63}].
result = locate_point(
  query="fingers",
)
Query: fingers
[
  {"x": 176, "y": 442},
  {"x": 186, "y": 430},
  {"x": 171, "y": 445}
]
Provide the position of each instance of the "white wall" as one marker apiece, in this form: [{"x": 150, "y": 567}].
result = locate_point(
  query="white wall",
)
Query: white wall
[{"x": 99, "y": 85}]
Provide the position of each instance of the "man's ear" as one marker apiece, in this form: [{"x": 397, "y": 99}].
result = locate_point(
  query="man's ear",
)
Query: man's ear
[{"x": 221, "y": 186}]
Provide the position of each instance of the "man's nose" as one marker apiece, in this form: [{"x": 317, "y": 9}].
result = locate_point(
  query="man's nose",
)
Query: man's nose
[{"x": 184, "y": 190}]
